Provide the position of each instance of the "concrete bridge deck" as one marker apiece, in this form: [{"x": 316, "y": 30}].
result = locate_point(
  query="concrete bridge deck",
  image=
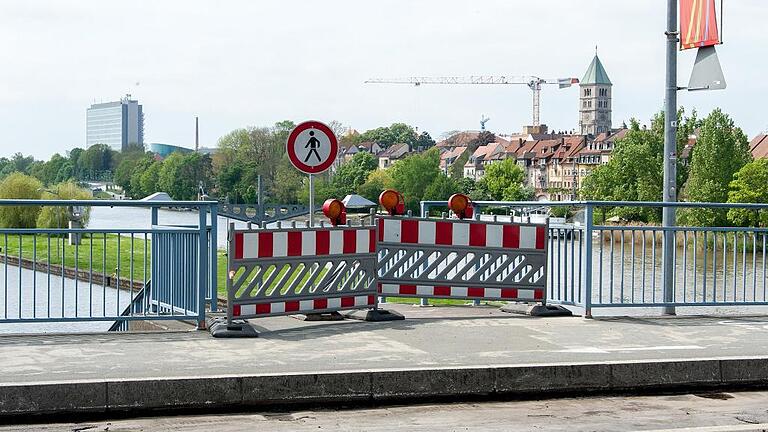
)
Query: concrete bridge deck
[{"x": 454, "y": 352}]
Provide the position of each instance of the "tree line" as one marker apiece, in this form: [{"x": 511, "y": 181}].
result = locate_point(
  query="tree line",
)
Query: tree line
[{"x": 720, "y": 168}]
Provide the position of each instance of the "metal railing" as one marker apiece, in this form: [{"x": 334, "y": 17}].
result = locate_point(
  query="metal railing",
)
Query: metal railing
[
  {"x": 597, "y": 264},
  {"x": 57, "y": 275}
]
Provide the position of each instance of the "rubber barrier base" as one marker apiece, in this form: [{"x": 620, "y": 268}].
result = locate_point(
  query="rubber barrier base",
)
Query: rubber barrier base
[
  {"x": 375, "y": 315},
  {"x": 537, "y": 310},
  {"x": 238, "y": 329}
]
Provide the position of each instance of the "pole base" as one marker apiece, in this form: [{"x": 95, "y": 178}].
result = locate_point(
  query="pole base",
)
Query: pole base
[
  {"x": 537, "y": 310},
  {"x": 375, "y": 315},
  {"x": 238, "y": 329}
]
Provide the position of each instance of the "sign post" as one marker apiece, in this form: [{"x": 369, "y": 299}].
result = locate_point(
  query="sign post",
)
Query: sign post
[{"x": 312, "y": 148}]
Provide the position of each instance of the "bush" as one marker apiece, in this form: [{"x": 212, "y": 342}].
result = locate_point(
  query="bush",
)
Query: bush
[
  {"x": 19, "y": 186},
  {"x": 58, "y": 216}
]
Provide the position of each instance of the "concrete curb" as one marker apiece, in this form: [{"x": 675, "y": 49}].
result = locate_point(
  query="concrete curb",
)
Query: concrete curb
[{"x": 378, "y": 386}]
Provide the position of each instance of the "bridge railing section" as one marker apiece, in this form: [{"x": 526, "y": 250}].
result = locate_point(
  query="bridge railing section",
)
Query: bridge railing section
[
  {"x": 599, "y": 260},
  {"x": 119, "y": 274}
]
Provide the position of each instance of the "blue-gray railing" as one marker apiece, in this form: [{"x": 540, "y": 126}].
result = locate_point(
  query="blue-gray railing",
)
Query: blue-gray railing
[
  {"x": 595, "y": 264},
  {"x": 106, "y": 274}
]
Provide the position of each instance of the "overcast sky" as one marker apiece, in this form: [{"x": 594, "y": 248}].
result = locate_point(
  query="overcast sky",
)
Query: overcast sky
[{"x": 242, "y": 63}]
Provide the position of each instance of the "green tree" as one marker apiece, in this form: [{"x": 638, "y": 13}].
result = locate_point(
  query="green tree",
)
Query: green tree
[
  {"x": 66, "y": 172},
  {"x": 749, "y": 185},
  {"x": 58, "y": 216},
  {"x": 378, "y": 181},
  {"x": 503, "y": 181},
  {"x": 413, "y": 174},
  {"x": 133, "y": 188},
  {"x": 182, "y": 173},
  {"x": 19, "y": 186},
  {"x": 393, "y": 134},
  {"x": 148, "y": 180},
  {"x": 722, "y": 150},
  {"x": 288, "y": 182},
  {"x": 424, "y": 141},
  {"x": 353, "y": 173},
  {"x": 97, "y": 160},
  {"x": 441, "y": 188}
]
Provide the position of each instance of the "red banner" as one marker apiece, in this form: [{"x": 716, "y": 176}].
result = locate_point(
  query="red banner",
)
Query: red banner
[{"x": 698, "y": 24}]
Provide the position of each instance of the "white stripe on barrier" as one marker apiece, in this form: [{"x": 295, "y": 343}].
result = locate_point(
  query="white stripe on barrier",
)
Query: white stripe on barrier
[
  {"x": 494, "y": 235},
  {"x": 337, "y": 242},
  {"x": 251, "y": 245},
  {"x": 362, "y": 241},
  {"x": 334, "y": 303},
  {"x": 390, "y": 289},
  {"x": 528, "y": 237},
  {"x": 308, "y": 243},
  {"x": 459, "y": 291},
  {"x": 306, "y": 305},
  {"x": 461, "y": 234},
  {"x": 427, "y": 232},
  {"x": 280, "y": 244},
  {"x": 391, "y": 230},
  {"x": 425, "y": 290}
]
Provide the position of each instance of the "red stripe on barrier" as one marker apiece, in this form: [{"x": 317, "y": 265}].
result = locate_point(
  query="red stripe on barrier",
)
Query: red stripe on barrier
[
  {"x": 538, "y": 294},
  {"x": 371, "y": 300},
  {"x": 409, "y": 231},
  {"x": 511, "y": 236},
  {"x": 442, "y": 291},
  {"x": 477, "y": 234},
  {"x": 265, "y": 244},
  {"x": 347, "y": 301},
  {"x": 294, "y": 243},
  {"x": 236, "y": 310},
  {"x": 475, "y": 292},
  {"x": 238, "y": 245},
  {"x": 380, "y": 287},
  {"x": 372, "y": 242},
  {"x": 263, "y": 308},
  {"x": 443, "y": 233},
  {"x": 291, "y": 306},
  {"x": 322, "y": 242},
  {"x": 407, "y": 289},
  {"x": 350, "y": 241},
  {"x": 508, "y": 293},
  {"x": 380, "y": 227},
  {"x": 541, "y": 237},
  {"x": 320, "y": 304}
]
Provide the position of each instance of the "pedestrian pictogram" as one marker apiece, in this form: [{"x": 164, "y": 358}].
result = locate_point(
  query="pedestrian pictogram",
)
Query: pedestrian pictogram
[{"x": 312, "y": 147}]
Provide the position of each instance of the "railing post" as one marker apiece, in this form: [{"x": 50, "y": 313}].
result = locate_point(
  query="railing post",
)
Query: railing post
[
  {"x": 154, "y": 216},
  {"x": 587, "y": 260},
  {"x": 202, "y": 264},
  {"x": 214, "y": 262}
]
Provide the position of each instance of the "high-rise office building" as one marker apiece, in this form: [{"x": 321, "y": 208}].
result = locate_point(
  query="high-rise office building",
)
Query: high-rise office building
[{"x": 116, "y": 124}]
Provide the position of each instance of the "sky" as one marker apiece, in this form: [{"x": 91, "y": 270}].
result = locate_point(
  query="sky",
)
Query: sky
[{"x": 239, "y": 63}]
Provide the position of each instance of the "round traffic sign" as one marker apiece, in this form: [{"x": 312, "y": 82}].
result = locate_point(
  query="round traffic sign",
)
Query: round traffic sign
[{"x": 312, "y": 147}]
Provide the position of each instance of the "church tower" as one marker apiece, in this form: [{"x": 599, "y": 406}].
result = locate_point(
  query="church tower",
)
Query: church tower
[{"x": 595, "y": 100}]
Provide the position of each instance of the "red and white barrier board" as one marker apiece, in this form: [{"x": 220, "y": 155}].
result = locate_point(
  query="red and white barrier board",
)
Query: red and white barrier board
[
  {"x": 459, "y": 233},
  {"x": 287, "y": 271},
  {"x": 462, "y": 259}
]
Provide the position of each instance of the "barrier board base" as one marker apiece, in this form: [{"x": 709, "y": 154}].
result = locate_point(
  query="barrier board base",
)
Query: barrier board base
[
  {"x": 238, "y": 329},
  {"x": 375, "y": 315},
  {"x": 537, "y": 310}
]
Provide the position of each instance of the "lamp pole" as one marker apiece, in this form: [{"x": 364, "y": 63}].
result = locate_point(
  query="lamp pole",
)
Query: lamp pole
[{"x": 670, "y": 157}]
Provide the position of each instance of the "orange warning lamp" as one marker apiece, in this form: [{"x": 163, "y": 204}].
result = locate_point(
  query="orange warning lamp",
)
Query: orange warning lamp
[
  {"x": 461, "y": 206},
  {"x": 393, "y": 202},
  {"x": 335, "y": 211}
]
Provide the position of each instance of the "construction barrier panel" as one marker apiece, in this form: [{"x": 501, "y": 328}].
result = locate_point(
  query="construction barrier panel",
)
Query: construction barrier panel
[
  {"x": 462, "y": 259},
  {"x": 300, "y": 270}
]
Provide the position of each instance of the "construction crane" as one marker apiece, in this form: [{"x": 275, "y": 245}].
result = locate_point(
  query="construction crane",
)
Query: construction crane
[{"x": 534, "y": 83}]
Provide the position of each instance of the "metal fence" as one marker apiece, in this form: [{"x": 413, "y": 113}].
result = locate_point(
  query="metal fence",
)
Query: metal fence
[
  {"x": 118, "y": 274},
  {"x": 599, "y": 262}
]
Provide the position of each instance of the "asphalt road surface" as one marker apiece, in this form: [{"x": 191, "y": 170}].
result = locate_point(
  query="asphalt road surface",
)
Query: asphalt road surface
[{"x": 744, "y": 411}]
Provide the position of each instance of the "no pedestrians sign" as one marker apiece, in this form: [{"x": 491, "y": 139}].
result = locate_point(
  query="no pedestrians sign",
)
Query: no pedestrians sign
[{"x": 312, "y": 147}]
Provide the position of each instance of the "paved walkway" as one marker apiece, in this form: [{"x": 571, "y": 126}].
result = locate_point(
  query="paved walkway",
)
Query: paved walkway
[{"x": 468, "y": 341}]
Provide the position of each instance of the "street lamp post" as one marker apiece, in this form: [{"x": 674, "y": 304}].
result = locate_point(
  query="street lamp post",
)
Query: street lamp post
[{"x": 670, "y": 157}]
